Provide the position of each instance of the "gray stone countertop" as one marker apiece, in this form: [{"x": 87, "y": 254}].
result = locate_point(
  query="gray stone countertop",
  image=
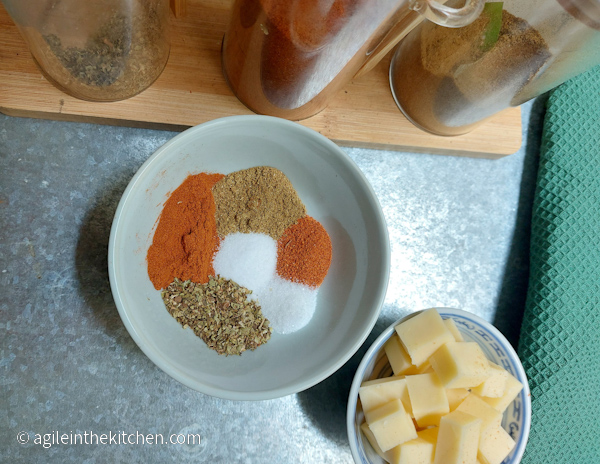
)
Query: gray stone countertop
[{"x": 459, "y": 232}]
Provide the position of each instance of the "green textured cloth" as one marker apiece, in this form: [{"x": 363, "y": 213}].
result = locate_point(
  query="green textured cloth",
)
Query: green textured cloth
[{"x": 560, "y": 335}]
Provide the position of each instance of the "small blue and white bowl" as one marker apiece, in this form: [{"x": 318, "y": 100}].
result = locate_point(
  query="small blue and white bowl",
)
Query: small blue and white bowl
[{"x": 517, "y": 417}]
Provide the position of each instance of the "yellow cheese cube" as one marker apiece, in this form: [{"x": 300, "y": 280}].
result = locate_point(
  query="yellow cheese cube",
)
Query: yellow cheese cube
[
  {"x": 424, "y": 368},
  {"x": 494, "y": 446},
  {"x": 495, "y": 385},
  {"x": 398, "y": 357},
  {"x": 427, "y": 398},
  {"x": 373, "y": 442},
  {"x": 417, "y": 451},
  {"x": 458, "y": 438},
  {"x": 474, "y": 405},
  {"x": 375, "y": 393},
  {"x": 460, "y": 364},
  {"x": 456, "y": 396},
  {"x": 513, "y": 387},
  {"x": 430, "y": 434},
  {"x": 454, "y": 330},
  {"x": 391, "y": 425},
  {"x": 423, "y": 334}
]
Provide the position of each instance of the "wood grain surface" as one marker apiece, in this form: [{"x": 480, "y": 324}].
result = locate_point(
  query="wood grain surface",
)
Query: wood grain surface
[
  {"x": 178, "y": 7},
  {"x": 192, "y": 90}
]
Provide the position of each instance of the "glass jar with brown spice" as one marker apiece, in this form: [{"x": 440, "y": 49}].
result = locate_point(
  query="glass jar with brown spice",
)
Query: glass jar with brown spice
[{"x": 448, "y": 81}]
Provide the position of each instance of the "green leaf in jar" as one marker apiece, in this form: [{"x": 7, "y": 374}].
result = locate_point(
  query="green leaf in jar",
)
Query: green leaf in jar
[{"x": 491, "y": 33}]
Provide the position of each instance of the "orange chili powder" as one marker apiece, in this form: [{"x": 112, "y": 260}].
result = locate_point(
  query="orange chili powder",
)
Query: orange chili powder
[
  {"x": 186, "y": 236},
  {"x": 304, "y": 252}
]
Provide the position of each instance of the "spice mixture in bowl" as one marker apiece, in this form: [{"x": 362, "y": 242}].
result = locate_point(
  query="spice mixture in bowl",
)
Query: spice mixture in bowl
[
  {"x": 249, "y": 258},
  {"x": 224, "y": 243}
]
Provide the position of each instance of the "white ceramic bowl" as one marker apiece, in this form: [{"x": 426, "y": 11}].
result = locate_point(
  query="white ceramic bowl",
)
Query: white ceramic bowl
[
  {"x": 517, "y": 418},
  {"x": 335, "y": 193}
]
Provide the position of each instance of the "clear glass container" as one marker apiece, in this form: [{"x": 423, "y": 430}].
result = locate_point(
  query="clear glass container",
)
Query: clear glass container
[
  {"x": 288, "y": 58},
  {"x": 98, "y": 50},
  {"x": 449, "y": 81}
]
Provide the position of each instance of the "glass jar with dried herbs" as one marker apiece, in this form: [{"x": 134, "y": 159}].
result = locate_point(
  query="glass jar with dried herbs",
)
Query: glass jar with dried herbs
[{"x": 97, "y": 50}]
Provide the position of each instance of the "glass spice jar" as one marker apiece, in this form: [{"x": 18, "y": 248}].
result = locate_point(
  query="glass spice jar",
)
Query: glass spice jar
[
  {"x": 448, "y": 81},
  {"x": 289, "y": 58},
  {"x": 97, "y": 50}
]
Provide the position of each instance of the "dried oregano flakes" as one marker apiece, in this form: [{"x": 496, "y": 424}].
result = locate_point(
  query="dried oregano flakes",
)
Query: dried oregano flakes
[{"x": 220, "y": 313}]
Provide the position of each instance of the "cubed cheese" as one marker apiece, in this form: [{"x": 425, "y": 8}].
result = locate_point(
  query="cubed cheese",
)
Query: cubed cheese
[
  {"x": 460, "y": 364},
  {"x": 429, "y": 434},
  {"x": 494, "y": 445},
  {"x": 398, "y": 357},
  {"x": 495, "y": 385},
  {"x": 424, "y": 368},
  {"x": 452, "y": 328},
  {"x": 417, "y": 451},
  {"x": 427, "y": 398},
  {"x": 423, "y": 334},
  {"x": 444, "y": 404},
  {"x": 456, "y": 396},
  {"x": 373, "y": 442},
  {"x": 458, "y": 438},
  {"x": 375, "y": 393},
  {"x": 513, "y": 387},
  {"x": 391, "y": 425},
  {"x": 474, "y": 405}
]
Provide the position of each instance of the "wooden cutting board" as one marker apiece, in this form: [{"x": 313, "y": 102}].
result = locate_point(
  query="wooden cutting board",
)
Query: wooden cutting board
[{"x": 192, "y": 90}]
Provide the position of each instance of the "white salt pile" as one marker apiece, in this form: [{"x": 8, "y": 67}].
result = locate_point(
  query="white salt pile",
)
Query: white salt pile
[
  {"x": 289, "y": 306},
  {"x": 250, "y": 260}
]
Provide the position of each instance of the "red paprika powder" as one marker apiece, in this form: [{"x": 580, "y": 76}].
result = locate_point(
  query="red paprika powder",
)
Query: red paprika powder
[
  {"x": 304, "y": 252},
  {"x": 186, "y": 236}
]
